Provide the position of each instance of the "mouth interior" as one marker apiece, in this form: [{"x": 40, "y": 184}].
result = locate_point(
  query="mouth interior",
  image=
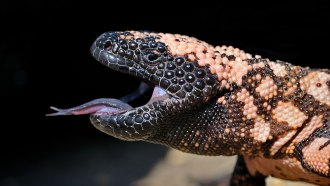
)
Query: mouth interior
[
  {"x": 141, "y": 95},
  {"x": 110, "y": 106}
]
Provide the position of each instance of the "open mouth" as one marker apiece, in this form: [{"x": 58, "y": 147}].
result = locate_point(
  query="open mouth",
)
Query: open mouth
[
  {"x": 180, "y": 88},
  {"x": 111, "y": 106}
]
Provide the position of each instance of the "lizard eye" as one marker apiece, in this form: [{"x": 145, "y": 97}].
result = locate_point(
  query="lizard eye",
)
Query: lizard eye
[{"x": 153, "y": 57}]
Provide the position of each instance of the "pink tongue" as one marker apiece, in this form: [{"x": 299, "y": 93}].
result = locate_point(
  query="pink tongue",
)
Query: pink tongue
[
  {"x": 105, "y": 105},
  {"x": 98, "y": 106},
  {"x": 158, "y": 94}
]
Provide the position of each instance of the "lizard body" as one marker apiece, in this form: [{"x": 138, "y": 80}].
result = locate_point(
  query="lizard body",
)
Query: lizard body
[{"x": 220, "y": 101}]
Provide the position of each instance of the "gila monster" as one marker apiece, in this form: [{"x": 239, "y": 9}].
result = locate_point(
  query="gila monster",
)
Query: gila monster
[{"x": 218, "y": 100}]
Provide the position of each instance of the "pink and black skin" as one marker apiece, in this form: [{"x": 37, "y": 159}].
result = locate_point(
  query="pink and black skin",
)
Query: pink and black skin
[{"x": 218, "y": 101}]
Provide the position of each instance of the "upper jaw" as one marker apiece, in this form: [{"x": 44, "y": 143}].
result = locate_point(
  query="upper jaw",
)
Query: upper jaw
[
  {"x": 101, "y": 55},
  {"x": 107, "y": 50},
  {"x": 116, "y": 62}
]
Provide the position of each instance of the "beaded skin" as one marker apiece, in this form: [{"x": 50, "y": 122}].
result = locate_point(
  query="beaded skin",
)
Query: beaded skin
[{"x": 220, "y": 100}]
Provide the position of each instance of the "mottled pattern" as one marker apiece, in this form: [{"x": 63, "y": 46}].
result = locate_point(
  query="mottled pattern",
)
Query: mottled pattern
[
  {"x": 295, "y": 119},
  {"x": 317, "y": 85},
  {"x": 261, "y": 130},
  {"x": 278, "y": 69},
  {"x": 267, "y": 88},
  {"x": 282, "y": 140},
  {"x": 310, "y": 127},
  {"x": 223, "y": 101},
  {"x": 249, "y": 109},
  {"x": 317, "y": 155},
  {"x": 228, "y": 63}
]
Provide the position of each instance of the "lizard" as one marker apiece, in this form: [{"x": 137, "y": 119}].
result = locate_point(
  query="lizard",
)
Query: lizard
[{"x": 218, "y": 100}]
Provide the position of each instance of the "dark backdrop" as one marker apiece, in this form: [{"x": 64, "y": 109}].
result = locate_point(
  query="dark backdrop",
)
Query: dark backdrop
[{"x": 45, "y": 60}]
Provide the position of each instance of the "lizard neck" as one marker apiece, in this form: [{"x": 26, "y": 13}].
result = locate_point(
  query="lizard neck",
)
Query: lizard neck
[{"x": 207, "y": 129}]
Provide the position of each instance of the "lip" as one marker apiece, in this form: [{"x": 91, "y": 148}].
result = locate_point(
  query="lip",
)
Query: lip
[{"x": 114, "y": 61}]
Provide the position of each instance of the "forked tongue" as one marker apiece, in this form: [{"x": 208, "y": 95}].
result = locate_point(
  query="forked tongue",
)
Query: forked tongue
[
  {"x": 109, "y": 105},
  {"x": 97, "y": 106}
]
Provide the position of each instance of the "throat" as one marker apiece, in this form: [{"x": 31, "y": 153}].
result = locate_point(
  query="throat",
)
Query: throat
[{"x": 198, "y": 129}]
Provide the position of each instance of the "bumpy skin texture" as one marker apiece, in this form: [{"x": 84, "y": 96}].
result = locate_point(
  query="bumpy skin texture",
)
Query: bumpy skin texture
[{"x": 223, "y": 101}]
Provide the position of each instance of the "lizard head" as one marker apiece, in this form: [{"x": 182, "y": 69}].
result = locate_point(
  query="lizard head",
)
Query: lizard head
[
  {"x": 157, "y": 59},
  {"x": 182, "y": 86}
]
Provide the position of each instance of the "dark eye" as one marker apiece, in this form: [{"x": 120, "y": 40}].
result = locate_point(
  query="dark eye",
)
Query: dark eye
[{"x": 152, "y": 57}]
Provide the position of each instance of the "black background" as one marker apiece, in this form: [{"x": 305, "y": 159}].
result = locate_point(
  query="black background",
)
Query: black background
[{"x": 45, "y": 60}]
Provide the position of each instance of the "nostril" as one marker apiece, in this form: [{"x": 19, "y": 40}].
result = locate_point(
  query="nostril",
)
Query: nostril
[{"x": 107, "y": 45}]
